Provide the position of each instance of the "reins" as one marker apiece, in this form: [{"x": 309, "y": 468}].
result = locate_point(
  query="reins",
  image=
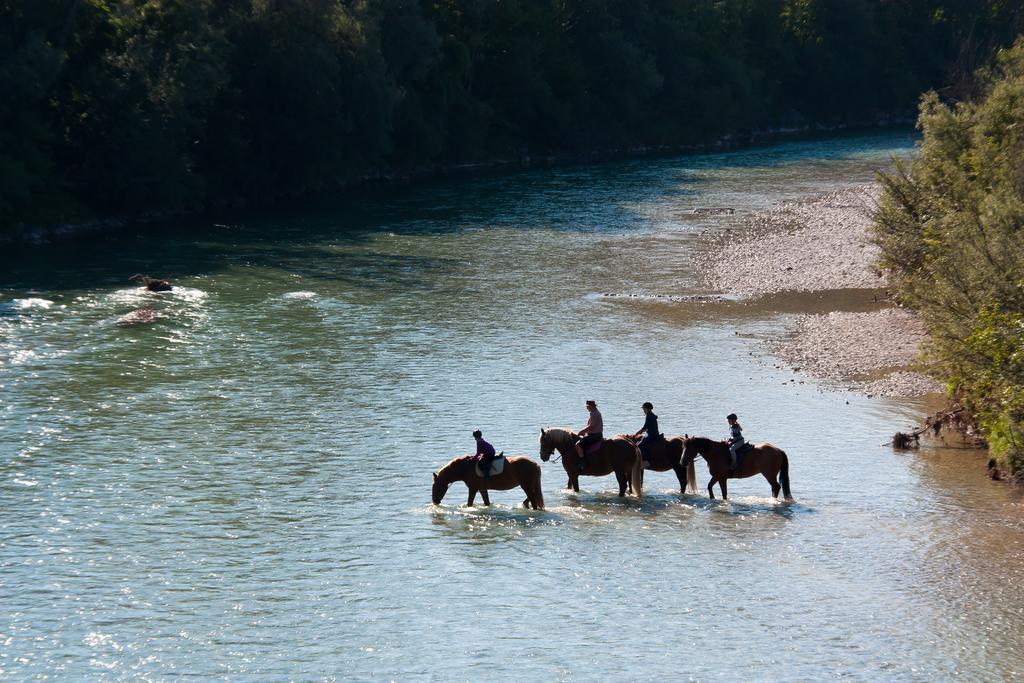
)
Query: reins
[{"x": 554, "y": 450}]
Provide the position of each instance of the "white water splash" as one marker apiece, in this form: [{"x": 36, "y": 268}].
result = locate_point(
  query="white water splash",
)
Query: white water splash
[
  {"x": 299, "y": 296},
  {"x": 32, "y": 303}
]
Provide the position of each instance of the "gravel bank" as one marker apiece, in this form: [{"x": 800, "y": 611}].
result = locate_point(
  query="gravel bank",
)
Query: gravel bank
[
  {"x": 820, "y": 244},
  {"x": 870, "y": 351}
]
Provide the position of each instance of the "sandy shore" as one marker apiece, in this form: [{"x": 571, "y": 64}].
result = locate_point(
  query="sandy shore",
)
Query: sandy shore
[{"x": 823, "y": 244}]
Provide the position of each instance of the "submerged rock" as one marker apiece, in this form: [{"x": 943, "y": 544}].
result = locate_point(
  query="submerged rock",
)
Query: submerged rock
[{"x": 140, "y": 316}]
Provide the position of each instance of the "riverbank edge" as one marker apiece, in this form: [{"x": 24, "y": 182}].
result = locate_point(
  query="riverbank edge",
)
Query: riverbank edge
[
  {"x": 31, "y": 234},
  {"x": 875, "y": 353},
  {"x": 823, "y": 243}
]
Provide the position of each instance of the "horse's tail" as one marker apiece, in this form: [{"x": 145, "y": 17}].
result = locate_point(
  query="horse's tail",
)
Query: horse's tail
[
  {"x": 538, "y": 491},
  {"x": 636, "y": 479},
  {"x": 691, "y": 477},
  {"x": 784, "y": 475},
  {"x": 535, "y": 492}
]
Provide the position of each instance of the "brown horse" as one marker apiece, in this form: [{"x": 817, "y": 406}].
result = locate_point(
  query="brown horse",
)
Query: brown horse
[
  {"x": 617, "y": 454},
  {"x": 519, "y": 471},
  {"x": 667, "y": 454},
  {"x": 764, "y": 459}
]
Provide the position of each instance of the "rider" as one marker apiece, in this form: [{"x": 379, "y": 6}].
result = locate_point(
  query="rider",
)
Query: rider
[
  {"x": 651, "y": 427},
  {"x": 735, "y": 437},
  {"x": 591, "y": 433},
  {"x": 486, "y": 453}
]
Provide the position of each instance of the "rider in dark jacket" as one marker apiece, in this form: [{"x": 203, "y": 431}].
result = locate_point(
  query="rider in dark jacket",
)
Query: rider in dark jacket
[
  {"x": 651, "y": 428},
  {"x": 735, "y": 437}
]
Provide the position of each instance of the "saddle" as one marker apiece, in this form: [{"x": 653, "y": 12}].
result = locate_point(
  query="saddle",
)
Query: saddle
[
  {"x": 497, "y": 466},
  {"x": 741, "y": 453},
  {"x": 593, "y": 448},
  {"x": 656, "y": 439}
]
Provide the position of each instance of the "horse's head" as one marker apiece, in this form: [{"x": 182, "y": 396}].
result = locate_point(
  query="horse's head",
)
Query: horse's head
[
  {"x": 546, "y": 445},
  {"x": 440, "y": 488}
]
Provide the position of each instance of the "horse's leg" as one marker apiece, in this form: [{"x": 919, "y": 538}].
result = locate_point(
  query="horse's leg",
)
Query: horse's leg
[
  {"x": 531, "y": 496},
  {"x": 623, "y": 482},
  {"x": 568, "y": 483},
  {"x": 472, "y": 496},
  {"x": 536, "y": 493},
  {"x": 574, "y": 481},
  {"x": 487, "y": 499},
  {"x": 725, "y": 491},
  {"x": 711, "y": 487},
  {"x": 681, "y": 476},
  {"x": 773, "y": 480}
]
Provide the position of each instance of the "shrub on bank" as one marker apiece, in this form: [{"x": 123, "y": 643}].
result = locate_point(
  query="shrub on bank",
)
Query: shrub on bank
[{"x": 951, "y": 229}]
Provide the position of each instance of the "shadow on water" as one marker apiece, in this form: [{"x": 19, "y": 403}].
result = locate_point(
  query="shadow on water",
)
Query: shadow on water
[
  {"x": 187, "y": 253},
  {"x": 654, "y": 502},
  {"x": 481, "y": 525},
  {"x": 573, "y": 199},
  {"x": 750, "y": 507}
]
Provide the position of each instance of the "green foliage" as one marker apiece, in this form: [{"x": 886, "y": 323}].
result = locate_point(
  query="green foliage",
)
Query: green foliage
[
  {"x": 141, "y": 113},
  {"x": 993, "y": 381},
  {"x": 951, "y": 229},
  {"x": 115, "y": 107}
]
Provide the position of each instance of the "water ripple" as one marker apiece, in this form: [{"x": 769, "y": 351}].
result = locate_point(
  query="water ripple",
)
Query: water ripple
[{"x": 237, "y": 485}]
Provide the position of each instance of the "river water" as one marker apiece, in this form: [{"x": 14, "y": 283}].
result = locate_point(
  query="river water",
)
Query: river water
[{"x": 241, "y": 487}]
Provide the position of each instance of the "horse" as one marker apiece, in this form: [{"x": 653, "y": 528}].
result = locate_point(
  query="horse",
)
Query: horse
[
  {"x": 667, "y": 454},
  {"x": 617, "y": 454},
  {"x": 519, "y": 471},
  {"x": 764, "y": 459}
]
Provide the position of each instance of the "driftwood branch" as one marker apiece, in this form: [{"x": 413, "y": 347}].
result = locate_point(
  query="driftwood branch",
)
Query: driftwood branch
[{"x": 934, "y": 424}]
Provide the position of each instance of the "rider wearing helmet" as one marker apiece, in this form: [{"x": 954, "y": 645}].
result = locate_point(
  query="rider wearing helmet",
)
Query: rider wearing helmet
[{"x": 486, "y": 453}]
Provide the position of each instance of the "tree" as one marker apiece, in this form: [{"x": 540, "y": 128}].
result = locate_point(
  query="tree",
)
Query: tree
[{"x": 951, "y": 230}]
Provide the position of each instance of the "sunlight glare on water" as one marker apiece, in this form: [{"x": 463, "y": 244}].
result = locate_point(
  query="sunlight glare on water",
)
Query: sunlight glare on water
[{"x": 236, "y": 483}]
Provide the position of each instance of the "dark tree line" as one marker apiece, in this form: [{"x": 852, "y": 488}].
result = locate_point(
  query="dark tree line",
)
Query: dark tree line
[{"x": 118, "y": 107}]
